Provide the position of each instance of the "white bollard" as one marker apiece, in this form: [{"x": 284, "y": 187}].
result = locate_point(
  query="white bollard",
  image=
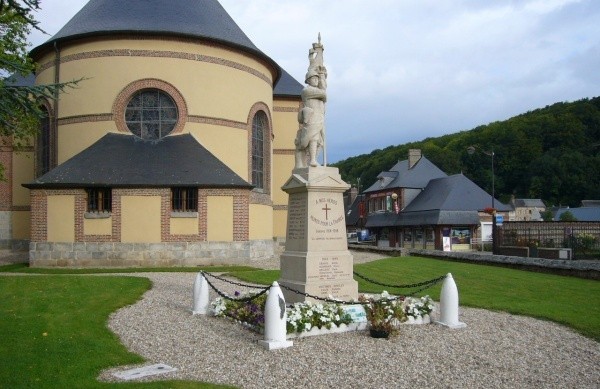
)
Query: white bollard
[
  {"x": 449, "y": 304},
  {"x": 275, "y": 320},
  {"x": 200, "y": 296}
]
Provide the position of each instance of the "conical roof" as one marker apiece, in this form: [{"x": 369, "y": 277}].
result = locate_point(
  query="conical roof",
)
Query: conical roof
[{"x": 205, "y": 19}]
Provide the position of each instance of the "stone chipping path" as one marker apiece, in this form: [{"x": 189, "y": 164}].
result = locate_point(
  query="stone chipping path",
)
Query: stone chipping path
[{"x": 495, "y": 350}]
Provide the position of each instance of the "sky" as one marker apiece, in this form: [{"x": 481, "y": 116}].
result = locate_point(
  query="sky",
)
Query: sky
[{"x": 403, "y": 70}]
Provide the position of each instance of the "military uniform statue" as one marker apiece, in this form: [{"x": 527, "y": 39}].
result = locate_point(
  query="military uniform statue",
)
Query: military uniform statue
[{"x": 310, "y": 139}]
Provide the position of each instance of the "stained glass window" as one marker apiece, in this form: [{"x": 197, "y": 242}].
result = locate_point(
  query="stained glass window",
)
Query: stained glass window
[{"x": 151, "y": 114}]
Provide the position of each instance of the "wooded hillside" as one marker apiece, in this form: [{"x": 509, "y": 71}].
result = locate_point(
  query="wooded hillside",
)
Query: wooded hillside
[{"x": 552, "y": 153}]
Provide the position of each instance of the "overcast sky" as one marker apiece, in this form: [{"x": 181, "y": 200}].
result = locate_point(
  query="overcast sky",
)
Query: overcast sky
[{"x": 404, "y": 70}]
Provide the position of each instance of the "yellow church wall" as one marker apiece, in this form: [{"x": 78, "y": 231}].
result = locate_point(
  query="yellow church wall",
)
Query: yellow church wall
[
  {"x": 77, "y": 137},
  {"x": 222, "y": 71},
  {"x": 21, "y": 224},
  {"x": 261, "y": 221},
  {"x": 233, "y": 152},
  {"x": 285, "y": 123},
  {"x": 219, "y": 218},
  {"x": 232, "y": 91},
  {"x": 184, "y": 226},
  {"x": 279, "y": 223},
  {"x": 22, "y": 171},
  {"x": 60, "y": 218},
  {"x": 140, "y": 219},
  {"x": 282, "y": 171},
  {"x": 176, "y": 46},
  {"x": 97, "y": 226}
]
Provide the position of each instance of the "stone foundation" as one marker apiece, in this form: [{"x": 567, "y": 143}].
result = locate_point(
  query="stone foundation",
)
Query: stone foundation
[{"x": 87, "y": 254}]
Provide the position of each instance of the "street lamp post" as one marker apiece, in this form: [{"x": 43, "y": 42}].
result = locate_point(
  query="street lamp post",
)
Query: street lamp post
[{"x": 471, "y": 150}]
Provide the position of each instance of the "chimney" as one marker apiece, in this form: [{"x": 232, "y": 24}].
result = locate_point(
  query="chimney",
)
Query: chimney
[{"x": 414, "y": 155}]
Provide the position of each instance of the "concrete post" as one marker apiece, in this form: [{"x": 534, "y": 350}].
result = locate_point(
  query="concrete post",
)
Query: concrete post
[
  {"x": 200, "y": 295},
  {"x": 275, "y": 320},
  {"x": 449, "y": 304}
]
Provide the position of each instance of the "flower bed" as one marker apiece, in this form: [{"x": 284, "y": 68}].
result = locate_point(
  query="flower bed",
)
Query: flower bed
[{"x": 309, "y": 319}]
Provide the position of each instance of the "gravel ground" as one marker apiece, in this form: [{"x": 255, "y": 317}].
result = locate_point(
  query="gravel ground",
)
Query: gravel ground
[{"x": 495, "y": 350}]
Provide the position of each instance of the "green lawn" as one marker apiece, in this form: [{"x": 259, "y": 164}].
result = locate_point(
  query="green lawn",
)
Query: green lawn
[
  {"x": 571, "y": 301},
  {"x": 54, "y": 332},
  {"x": 53, "y": 327}
]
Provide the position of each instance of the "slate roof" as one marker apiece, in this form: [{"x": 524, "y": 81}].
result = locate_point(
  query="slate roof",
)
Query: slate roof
[
  {"x": 198, "y": 18},
  {"x": 19, "y": 80},
  {"x": 582, "y": 214},
  {"x": 529, "y": 203},
  {"x": 456, "y": 193},
  {"x": 423, "y": 218},
  {"x": 205, "y": 19},
  {"x": 119, "y": 160},
  {"x": 400, "y": 176},
  {"x": 352, "y": 212},
  {"x": 287, "y": 86}
]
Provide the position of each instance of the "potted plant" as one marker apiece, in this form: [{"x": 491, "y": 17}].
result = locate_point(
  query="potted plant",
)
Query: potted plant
[{"x": 384, "y": 314}]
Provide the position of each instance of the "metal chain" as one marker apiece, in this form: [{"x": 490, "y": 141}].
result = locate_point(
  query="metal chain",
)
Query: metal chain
[
  {"x": 229, "y": 281},
  {"x": 408, "y": 286},
  {"x": 424, "y": 284},
  {"x": 241, "y": 300}
]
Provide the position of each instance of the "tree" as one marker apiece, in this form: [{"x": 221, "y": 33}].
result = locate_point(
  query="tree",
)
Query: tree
[
  {"x": 567, "y": 216},
  {"x": 20, "y": 106},
  {"x": 546, "y": 215}
]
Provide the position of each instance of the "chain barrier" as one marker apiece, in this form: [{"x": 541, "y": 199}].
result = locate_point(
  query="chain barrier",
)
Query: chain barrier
[
  {"x": 231, "y": 282},
  {"x": 408, "y": 286},
  {"x": 225, "y": 296},
  {"x": 425, "y": 285}
]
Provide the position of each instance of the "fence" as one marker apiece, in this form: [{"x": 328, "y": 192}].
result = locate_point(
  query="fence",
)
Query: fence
[{"x": 583, "y": 238}]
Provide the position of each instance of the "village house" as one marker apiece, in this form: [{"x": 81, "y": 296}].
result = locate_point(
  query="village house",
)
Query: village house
[{"x": 417, "y": 205}]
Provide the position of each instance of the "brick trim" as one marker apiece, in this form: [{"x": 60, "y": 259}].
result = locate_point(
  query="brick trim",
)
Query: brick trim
[
  {"x": 100, "y": 117},
  {"x": 286, "y": 109},
  {"x": 284, "y": 152},
  {"x": 216, "y": 121},
  {"x": 158, "y": 54}
]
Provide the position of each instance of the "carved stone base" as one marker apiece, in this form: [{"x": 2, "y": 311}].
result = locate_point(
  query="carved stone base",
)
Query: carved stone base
[{"x": 316, "y": 259}]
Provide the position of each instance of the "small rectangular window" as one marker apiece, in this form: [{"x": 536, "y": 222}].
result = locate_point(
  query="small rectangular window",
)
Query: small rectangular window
[
  {"x": 99, "y": 200},
  {"x": 184, "y": 199}
]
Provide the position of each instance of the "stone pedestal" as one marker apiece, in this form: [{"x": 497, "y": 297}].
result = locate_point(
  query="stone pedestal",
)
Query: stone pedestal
[{"x": 316, "y": 259}]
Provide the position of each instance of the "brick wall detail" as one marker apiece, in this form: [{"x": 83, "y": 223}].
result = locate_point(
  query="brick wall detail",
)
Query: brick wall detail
[{"x": 107, "y": 250}]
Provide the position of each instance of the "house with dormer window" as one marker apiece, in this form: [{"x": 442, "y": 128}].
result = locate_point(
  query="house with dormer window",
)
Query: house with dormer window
[{"x": 417, "y": 205}]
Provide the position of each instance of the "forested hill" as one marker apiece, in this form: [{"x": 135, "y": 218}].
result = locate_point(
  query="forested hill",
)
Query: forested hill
[{"x": 552, "y": 153}]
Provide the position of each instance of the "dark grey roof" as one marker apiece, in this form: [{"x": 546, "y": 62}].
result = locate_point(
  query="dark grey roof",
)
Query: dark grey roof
[
  {"x": 119, "y": 160},
  {"x": 400, "y": 176},
  {"x": 582, "y": 214},
  {"x": 205, "y": 19},
  {"x": 529, "y": 203},
  {"x": 453, "y": 193},
  {"x": 590, "y": 203},
  {"x": 18, "y": 80},
  {"x": 287, "y": 86},
  {"x": 423, "y": 218},
  {"x": 352, "y": 212}
]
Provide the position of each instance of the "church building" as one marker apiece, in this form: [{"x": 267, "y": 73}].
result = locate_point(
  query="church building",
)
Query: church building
[{"x": 171, "y": 150}]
